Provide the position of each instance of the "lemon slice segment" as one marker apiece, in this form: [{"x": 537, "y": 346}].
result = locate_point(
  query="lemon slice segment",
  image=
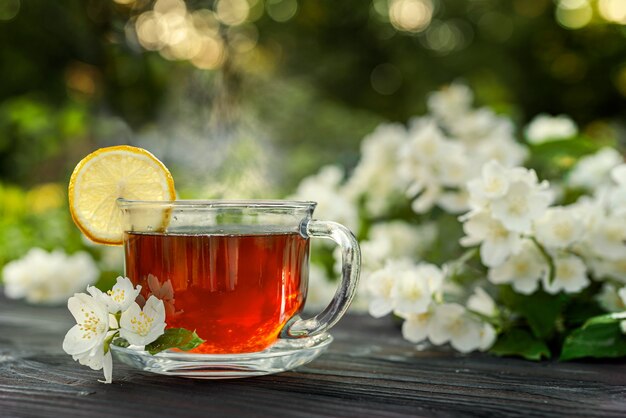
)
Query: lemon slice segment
[{"x": 110, "y": 173}]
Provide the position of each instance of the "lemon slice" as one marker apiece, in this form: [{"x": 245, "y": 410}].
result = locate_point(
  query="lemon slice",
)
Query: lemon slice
[{"x": 110, "y": 173}]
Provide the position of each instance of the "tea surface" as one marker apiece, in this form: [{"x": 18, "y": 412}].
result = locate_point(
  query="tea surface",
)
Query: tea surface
[{"x": 236, "y": 291}]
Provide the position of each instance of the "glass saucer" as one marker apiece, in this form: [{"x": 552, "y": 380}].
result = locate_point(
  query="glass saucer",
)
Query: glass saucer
[{"x": 281, "y": 356}]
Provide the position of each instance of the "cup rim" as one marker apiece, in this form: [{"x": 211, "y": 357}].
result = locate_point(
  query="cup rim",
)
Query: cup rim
[{"x": 221, "y": 203}]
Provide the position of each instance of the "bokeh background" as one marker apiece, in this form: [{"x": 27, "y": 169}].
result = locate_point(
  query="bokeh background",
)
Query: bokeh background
[{"x": 243, "y": 98}]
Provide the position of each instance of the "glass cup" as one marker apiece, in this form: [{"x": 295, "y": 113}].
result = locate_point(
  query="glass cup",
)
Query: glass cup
[{"x": 234, "y": 271}]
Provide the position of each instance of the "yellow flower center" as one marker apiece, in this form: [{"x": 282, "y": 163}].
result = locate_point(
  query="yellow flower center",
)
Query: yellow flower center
[
  {"x": 91, "y": 325},
  {"x": 117, "y": 295},
  {"x": 563, "y": 231},
  {"x": 141, "y": 324}
]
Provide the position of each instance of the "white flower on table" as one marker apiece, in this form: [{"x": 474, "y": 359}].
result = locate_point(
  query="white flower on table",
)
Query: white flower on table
[
  {"x": 452, "y": 323},
  {"x": 380, "y": 286},
  {"x": 570, "y": 275},
  {"x": 546, "y": 128},
  {"x": 522, "y": 270},
  {"x": 143, "y": 326},
  {"x": 482, "y": 303},
  {"x": 48, "y": 277},
  {"x": 496, "y": 242},
  {"x": 593, "y": 170},
  {"x": 415, "y": 327},
  {"x": 413, "y": 289},
  {"x": 559, "y": 227},
  {"x": 85, "y": 340}
]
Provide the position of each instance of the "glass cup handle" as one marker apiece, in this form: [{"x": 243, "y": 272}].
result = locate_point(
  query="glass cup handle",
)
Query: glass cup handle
[{"x": 350, "y": 267}]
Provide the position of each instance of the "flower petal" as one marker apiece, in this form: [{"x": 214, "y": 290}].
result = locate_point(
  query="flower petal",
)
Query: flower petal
[
  {"x": 107, "y": 368},
  {"x": 75, "y": 341}
]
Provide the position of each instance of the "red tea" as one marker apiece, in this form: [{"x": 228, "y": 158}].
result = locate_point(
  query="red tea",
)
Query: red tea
[{"x": 236, "y": 291}]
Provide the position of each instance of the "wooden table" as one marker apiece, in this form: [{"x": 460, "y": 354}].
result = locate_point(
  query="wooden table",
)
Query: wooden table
[{"x": 369, "y": 371}]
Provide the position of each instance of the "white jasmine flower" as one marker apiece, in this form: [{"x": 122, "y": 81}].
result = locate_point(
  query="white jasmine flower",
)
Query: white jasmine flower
[
  {"x": 545, "y": 128},
  {"x": 522, "y": 270},
  {"x": 85, "y": 340},
  {"x": 496, "y": 242},
  {"x": 451, "y": 323},
  {"x": 454, "y": 202},
  {"x": 502, "y": 148},
  {"x": 610, "y": 300},
  {"x": 50, "y": 278},
  {"x": 411, "y": 294},
  {"x": 513, "y": 196},
  {"x": 92, "y": 324},
  {"x": 607, "y": 237},
  {"x": 455, "y": 168},
  {"x": 123, "y": 293},
  {"x": 493, "y": 184},
  {"x": 374, "y": 252},
  {"x": 559, "y": 227},
  {"x": 570, "y": 275},
  {"x": 451, "y": 102},
  {"x": 522, "y": 203},
  {"x": 482, "y": 303},
  {"x": 375, "y": 175},
  {"x": 474, "y": 127},
  {"x": 413, "y": 288},
  {"x": 593, "y": 170},
  {"x": 418, "y": 159},
  {"x": 415, "y": 327},
  {"x": 395, "y": 239},
  {"x": 332, "y": 203},
  {"x": 141, "y": 327},
  {"x": 380, "y": 285},
  {"x": 428, "y": 196},
  {"x": 609, "y": 269}
]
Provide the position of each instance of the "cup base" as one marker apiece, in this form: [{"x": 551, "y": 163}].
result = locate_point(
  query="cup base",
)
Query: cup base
[{"x": 281, "y": 356}]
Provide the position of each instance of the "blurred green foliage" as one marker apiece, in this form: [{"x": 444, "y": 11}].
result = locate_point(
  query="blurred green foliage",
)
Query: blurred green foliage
[{"x": 38, "y": 217}]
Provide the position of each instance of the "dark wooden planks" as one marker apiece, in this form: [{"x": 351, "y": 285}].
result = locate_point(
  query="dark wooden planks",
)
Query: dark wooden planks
[{"x": 368, "y": 371}]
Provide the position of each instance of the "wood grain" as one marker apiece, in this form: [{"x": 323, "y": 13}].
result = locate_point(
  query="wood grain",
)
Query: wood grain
[{"x": 369, "y": 371}]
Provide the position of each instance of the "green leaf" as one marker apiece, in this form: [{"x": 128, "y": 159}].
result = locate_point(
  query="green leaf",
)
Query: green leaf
[
  {"x": 180, "y": 338},
  {"x": 540, "y": 309},
  {"x": 120, "y": 342},
  {"x": 579, "y": 310},
  {"x": 611, "y": 318},
  {"x": 595, "y": 339},
  {"x": 519, "y": 342}
]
